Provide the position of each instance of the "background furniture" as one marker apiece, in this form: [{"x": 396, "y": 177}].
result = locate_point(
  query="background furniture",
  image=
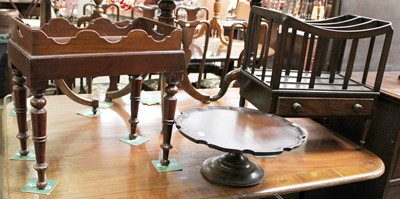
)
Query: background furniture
[
  {"x": 106, "y": 7},
  {"x": 188, "y": 31},
  {"x": 216, "y": 52},
  {"x": 26, "y": 8},
  {"x": 100, "y": 10}
]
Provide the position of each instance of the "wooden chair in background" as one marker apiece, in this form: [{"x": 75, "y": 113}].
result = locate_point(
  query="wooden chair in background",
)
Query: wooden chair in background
[
  {"x": 100, "y": 10},
  {"x": 149, "y": 10},
  {"x": 31, "y": 11},
  {"x": 191, "y": 14},
  {"x": 105, "y": 7},
  {"x": 188, "y": 31}
]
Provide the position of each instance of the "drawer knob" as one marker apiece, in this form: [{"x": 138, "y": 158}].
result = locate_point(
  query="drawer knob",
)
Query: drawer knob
[
  {"x": 357, "y": 108},
  {"x": 296, "y": 107}
]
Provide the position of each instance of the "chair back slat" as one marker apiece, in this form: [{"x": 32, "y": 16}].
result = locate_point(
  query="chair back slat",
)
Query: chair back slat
[
  {"x": 291, "y": 49},
  {"x": 335, "y": 60},
  {"x": 310, "y": 53},
  {"x": 350, "y": 63},
  {"x": 301, "y": 63},
  {"x": 383, "y": 59},
  {"x": 368, "y": 60}
]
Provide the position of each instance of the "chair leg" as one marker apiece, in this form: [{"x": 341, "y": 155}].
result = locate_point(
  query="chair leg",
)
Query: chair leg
[
  {"x": 113, "y": 83},
  {"x": 81, "y": 87},
  {"x": 89, "y": 81},
  {"x": 365, "y": 134}
]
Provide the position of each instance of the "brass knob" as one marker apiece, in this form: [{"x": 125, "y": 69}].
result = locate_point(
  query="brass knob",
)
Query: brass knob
[
  {"x": 357, "y": 108},
  {"x": 296, "y": 107}
]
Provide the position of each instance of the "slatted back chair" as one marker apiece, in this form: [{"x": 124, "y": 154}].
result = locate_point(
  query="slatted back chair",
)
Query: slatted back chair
[
  {"x": 193, "y": 14},
  {"x": 201, "y": 32},
  {"x": 311, "y": 74}
]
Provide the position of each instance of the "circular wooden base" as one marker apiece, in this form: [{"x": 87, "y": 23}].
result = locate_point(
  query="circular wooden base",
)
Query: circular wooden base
[{"x": 232, "y": 169}]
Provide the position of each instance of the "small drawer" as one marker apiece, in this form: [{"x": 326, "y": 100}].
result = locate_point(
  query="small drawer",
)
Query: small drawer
[{"x": 325, "y": 107}]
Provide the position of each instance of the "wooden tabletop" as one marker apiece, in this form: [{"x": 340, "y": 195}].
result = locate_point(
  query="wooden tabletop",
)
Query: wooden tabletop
[{"x": 88, "y": 159}]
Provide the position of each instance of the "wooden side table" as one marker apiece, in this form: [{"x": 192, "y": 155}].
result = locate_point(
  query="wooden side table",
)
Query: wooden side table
[{"x": 101, "y": 49}]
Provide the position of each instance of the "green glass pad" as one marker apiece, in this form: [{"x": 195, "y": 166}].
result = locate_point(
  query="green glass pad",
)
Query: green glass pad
[
  {"x": 136, "y": 142},
  {"x": 152, "y": 100},
  {"x": 30, "y": 157},
  {"x": 13, "y": 113},
  {"x": 89, "y": 113},
  {"x": 265, "y": 156},
  {"x": 105, "y": 104},
  {"x": 30, "y": 187},
  {"x": 173, "y": 166}
]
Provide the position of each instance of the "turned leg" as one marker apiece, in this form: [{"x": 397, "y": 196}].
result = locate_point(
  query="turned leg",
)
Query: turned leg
[
  {"x": 365, "y": 133},
  {"x": 169, "y": 108},
  {"x": 136, "y": 88},
  {"x": 39, "y": 121},
  {"x": 113, "y": 83},
  {"x": 19, "y": 90}
]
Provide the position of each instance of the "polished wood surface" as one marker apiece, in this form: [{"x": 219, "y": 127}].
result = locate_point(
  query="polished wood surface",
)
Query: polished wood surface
[
  {"x": 384, "y": 141},
  {"x": 87, "y": 158}
]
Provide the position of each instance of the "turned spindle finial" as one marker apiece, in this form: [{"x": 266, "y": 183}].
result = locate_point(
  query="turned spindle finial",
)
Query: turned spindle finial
[
  {"x": 98, "y": 9},
  {"x": 167, "y": 8}
]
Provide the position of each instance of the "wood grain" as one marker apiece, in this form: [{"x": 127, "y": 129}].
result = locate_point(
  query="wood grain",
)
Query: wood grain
[{"x": 88, "y": 159}]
